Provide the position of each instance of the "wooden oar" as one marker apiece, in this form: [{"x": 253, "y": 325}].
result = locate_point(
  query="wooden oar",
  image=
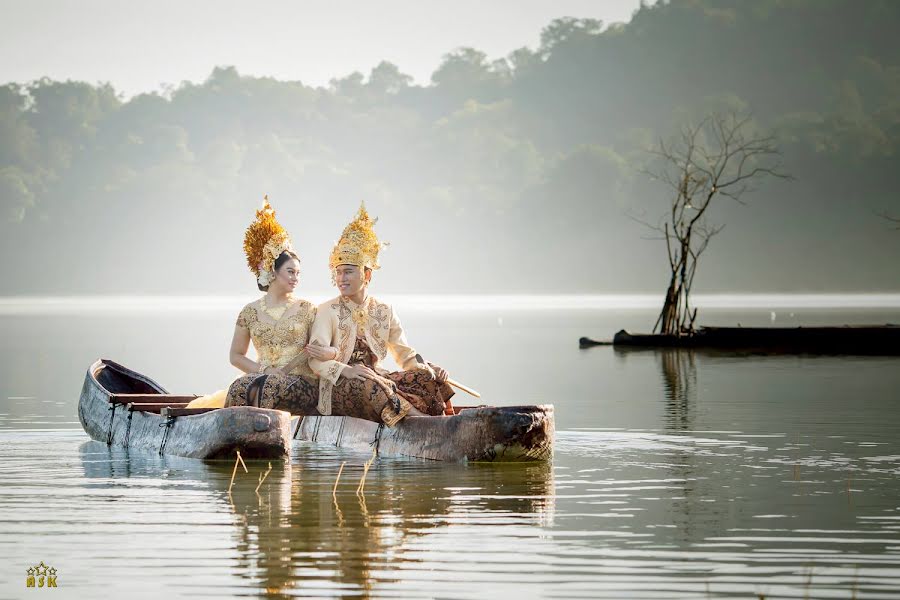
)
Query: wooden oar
[
  {"x": 455, "y": 384},
  {"x": 295, "y": 362},
  {"x": 465, "y": 389}
]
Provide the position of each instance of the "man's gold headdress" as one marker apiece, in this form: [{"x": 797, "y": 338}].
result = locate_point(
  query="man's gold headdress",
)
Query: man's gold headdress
[
  {"x": 264, "y": 242},
  {"x": 358, "y": 244}
]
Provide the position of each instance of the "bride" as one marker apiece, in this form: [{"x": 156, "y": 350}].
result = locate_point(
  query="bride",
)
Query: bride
[{"x": 278, "y": 324}]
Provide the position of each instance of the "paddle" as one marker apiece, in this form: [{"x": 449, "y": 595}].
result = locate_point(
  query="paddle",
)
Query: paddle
[
  {"x": 455, "y": 384},
  {"x": 295, "y": 362},
  {"x": 463, "y": 388}
]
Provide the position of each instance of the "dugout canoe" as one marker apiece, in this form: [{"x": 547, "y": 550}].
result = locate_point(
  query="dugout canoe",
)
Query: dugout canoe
[{"x": 122, "y": 407}]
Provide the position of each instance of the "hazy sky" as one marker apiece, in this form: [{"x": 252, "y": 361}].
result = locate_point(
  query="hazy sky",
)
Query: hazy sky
[{"x": 139, "y": 45}]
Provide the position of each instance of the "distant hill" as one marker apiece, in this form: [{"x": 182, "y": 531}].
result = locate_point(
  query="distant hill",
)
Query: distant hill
[{"x": 515, "y": 174}]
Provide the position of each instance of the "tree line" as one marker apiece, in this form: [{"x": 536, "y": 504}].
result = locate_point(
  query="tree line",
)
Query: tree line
[{"x": 536, "y": 157}]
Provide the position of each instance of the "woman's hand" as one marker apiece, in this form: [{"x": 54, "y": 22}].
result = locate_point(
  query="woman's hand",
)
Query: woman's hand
[
  {"x": 321, "y": 352},
  {"x": 359, "y": 371}
]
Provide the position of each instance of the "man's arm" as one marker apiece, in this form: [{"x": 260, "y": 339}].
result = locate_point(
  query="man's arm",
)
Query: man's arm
[
  {"x": 322, "y": 334},
  {"x": 404, "y": 354}
]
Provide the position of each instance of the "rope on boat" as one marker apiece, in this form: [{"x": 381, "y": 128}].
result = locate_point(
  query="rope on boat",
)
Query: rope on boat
[
  {"x": 112, "y": 415},
  {"x": 299, "y": 426},
  {"x": 167, "y": 424},
  {"x": 315, "y": 436},
  {"x": 377, "y": 441},
  {"x": 340, "y": 434},
  {"x": 128, "y": 425}
]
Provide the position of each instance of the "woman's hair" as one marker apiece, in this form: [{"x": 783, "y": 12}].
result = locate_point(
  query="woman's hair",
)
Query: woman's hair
[{"x": 282, "y": 258}]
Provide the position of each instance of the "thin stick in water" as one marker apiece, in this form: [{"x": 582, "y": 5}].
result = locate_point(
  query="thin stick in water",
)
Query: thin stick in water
[
  {"x": 234, "y": 471},
  {"x": 362, "y": 480},
  {"x": 334, "y": 489},
  {"x": 262, "y": 477}
]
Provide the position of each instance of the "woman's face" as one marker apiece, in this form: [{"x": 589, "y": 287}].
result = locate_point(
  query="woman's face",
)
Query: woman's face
[
  {"x": 288, "y": 275},
  {"x": 350, "y": 279}
]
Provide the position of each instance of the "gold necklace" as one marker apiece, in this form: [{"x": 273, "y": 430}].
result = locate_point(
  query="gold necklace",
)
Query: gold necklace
[
  {"x": 359, "y": 315},
  {"x": 276, "y": 312}
]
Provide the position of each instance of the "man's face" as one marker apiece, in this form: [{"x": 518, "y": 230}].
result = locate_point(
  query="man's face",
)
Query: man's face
[{"x": 349, "y": 279}]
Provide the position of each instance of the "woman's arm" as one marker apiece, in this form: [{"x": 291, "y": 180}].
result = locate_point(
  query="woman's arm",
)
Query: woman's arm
[{"x": 240, "y": 343}]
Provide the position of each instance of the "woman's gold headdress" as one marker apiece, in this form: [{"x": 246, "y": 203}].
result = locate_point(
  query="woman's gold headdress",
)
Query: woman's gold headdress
[
  {"x": 264, "y": 242},
  {"x": 358, "y": 244}
]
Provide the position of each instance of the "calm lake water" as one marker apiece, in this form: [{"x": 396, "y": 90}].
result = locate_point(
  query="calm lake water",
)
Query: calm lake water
[{"x": 675, "y": 475}]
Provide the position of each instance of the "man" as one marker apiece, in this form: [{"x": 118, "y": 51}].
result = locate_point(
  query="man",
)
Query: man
[{"x": 364, "y": 330}]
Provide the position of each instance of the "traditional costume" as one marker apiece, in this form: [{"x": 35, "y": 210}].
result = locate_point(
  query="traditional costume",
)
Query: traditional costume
[
  {"x": 278, "y": 334},
  {"x": 365, "y": 334}
]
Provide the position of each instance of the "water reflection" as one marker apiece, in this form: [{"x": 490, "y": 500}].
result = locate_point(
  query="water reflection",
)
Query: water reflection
[
  {"x": 298, "y": 534},
  {"x": 678, "y": 369},
  {"x": 679, "y": 374}
]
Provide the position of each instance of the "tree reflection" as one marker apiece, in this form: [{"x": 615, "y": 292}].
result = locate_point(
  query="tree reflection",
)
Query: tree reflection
[{"x": 679, "y": 377}]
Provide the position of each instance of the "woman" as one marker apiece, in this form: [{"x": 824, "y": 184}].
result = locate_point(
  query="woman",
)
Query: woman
[{"x": 278, "y": 324}]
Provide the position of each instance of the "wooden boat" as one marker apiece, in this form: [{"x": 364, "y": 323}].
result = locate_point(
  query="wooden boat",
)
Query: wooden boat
[
  {"x": 122, "y": 407},
  {"x": 848, "y": 339}
]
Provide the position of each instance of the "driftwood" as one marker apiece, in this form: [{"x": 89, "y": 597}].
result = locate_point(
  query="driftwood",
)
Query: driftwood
[{"x": 848, "y": 339}]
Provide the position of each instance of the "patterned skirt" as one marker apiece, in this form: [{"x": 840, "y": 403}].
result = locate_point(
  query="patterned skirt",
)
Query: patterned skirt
[
  {"x": 390, "y": 400},
  {"x": 386, "y": 402},
  {"x": 297, "y": 394}
]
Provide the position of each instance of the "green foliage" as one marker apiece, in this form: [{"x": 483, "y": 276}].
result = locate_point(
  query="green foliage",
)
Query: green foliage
[{"x": 547, "y": 135}]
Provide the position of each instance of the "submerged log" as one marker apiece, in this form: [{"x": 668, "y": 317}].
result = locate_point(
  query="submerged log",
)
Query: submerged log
[{"x": 847, "y": 339}]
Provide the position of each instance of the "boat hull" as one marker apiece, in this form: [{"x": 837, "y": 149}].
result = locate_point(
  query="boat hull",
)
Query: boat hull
[
  {"x": 121, "y": 407},
  {"x": 484, "y": 434},
  {"x": 256, "y": 432}
]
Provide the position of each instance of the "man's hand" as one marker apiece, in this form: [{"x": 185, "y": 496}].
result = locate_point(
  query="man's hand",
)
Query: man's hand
[
  {"x": 440, "y": 374},
  {"x": 321, "y": 352},
  {"x": 359, "y": 371}
]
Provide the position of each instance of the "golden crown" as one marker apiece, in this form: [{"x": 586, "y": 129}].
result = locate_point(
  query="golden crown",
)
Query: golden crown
[
  {"x": 264, "y": 242},
  {"x": 358, "y": 244}
]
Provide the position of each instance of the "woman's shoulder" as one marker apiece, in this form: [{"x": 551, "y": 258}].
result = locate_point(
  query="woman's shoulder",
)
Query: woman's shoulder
[
  {"x": 248, "y": 313},
  {"x": 302, "y": 306}
]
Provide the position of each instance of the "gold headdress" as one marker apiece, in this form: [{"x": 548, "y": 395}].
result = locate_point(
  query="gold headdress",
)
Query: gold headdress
[
  {"x": 264, "y": 241},
  {"x": 358, "y": 244}
]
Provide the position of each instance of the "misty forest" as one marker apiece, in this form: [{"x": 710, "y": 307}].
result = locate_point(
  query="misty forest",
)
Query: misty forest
[{"x": 532, "y": 168}]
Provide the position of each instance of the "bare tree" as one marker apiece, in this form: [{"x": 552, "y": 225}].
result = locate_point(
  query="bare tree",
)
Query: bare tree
[{"x": 719, "y": 157}]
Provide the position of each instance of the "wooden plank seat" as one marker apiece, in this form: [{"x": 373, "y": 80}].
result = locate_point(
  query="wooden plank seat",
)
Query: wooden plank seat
[
  {"x": 151, "y": 398},
  {"x": 155, "y": 407},
  {"x": 172, "y": 411}
]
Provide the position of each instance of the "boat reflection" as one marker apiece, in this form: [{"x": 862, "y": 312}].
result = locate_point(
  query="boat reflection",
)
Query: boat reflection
[{"x": 299, "y": 534}]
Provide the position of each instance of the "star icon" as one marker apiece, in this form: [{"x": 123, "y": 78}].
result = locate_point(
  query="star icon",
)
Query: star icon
[
  {"x": 52, "y": 572},
  {"x": 42, "y": 569},
  {"x": 30, "y": 571}
]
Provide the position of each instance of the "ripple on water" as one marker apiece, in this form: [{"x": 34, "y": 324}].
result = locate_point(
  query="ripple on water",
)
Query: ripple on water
[{"x": 643, "y": 514}]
